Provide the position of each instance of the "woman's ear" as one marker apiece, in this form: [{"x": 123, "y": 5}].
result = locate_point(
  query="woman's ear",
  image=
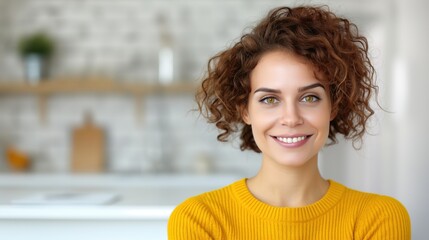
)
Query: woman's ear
[{"x": 245, "y": 116}]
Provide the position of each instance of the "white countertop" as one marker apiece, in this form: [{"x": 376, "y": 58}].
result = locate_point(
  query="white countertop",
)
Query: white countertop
[
  {"x": 65, "y": 212},
  {"x": 150, "y": 197}
]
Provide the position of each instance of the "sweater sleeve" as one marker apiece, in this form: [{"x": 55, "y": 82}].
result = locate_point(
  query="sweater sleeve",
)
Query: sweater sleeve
[
  {"x": 383, "y": 218},
  {"x": 192, "y": 220}
]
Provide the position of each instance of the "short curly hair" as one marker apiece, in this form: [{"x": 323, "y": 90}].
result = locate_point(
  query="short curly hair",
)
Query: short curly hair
[{"x": 331, "y": 44}]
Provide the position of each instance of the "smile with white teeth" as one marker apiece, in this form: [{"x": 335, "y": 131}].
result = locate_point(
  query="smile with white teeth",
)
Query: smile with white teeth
[{"x": 291, "y": 140}]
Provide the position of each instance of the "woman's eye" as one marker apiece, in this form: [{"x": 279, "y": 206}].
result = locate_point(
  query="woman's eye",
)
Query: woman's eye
[
  {"x": 310, "y": 98},
  {"x": 269, "y": 100}
]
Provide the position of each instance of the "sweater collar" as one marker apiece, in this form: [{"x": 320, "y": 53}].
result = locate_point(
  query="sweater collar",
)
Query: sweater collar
[{"x": 294, "y": 214}]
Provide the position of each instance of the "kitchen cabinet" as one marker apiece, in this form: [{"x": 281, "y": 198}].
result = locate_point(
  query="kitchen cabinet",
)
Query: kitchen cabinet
[
  {"x": 93, "y": 85},
  {"x": 141, "y": 212},
  {"x": 84, "y": 230}
]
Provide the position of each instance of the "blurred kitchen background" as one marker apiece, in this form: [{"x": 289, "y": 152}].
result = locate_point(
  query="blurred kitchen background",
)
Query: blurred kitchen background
[{"x": 114, "y": 109}]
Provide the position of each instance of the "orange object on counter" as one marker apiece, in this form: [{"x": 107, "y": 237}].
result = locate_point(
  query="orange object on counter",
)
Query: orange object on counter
[{"x": 17, "y": 160}]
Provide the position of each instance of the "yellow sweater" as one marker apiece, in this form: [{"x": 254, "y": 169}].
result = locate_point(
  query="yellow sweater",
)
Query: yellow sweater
[{"x": 233, "y": 212}]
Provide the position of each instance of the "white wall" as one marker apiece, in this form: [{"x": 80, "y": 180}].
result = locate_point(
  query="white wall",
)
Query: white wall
[{"x": 412, "y": 146}]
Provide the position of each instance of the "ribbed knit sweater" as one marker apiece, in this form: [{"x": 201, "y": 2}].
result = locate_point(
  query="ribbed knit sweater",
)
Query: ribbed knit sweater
[{"x": 233, "y": 212}]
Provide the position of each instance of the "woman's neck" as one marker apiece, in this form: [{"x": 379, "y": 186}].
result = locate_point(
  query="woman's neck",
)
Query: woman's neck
[{"x": 288, "y": 186}]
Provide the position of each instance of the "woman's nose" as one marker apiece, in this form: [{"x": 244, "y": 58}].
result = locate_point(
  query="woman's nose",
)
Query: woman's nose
[{"x": 291, "y": 116}]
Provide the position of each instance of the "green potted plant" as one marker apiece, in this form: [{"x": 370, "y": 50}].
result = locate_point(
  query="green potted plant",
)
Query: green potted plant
[{"x": 36, "y": 49}]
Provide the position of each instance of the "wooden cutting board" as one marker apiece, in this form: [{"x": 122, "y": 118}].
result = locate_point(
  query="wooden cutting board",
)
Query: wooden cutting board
[{"x": 88, "y": 148}]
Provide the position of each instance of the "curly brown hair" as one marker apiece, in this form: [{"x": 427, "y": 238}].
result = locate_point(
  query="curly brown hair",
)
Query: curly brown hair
[{"x": 331, "y": 44}]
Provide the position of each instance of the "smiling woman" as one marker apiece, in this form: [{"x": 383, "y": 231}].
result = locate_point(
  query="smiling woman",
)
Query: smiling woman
[{"x": 300, "y": 77}]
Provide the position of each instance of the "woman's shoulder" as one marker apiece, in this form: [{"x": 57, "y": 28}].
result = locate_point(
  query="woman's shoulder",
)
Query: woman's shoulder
[
  {"x": 373, "y": 200},
  {"x": 379, "y": 215},
  {"x": 384, "y": 217},
  {"x": 198, "y": 217},
  {"x": 387, "y": 206}
]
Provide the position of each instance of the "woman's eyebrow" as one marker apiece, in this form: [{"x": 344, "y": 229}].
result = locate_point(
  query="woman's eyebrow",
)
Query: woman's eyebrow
[
  {"x": 302, "y": 89},
  {"x": 270, "y": 90}
]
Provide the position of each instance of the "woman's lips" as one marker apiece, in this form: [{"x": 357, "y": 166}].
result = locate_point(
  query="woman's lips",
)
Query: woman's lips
[{"x": 295, "y": 141}]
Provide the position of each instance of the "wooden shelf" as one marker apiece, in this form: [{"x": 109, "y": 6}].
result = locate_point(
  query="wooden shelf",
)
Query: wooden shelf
[{"x": 92, "y": 85}]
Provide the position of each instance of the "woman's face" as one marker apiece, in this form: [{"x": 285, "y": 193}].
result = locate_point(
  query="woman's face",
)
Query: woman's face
[{"x": 289, "y": 109}]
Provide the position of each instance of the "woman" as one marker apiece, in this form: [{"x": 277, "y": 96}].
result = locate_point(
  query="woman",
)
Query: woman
[{"x": 300, "y": 77}]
